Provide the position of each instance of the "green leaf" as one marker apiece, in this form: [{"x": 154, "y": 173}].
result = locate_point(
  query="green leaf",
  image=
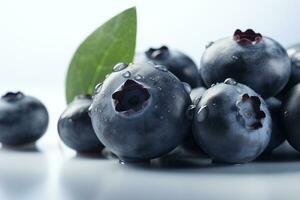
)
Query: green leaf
[{"x": 111, "y": 43}]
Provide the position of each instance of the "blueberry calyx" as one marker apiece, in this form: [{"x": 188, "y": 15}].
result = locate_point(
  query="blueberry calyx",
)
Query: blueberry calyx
[
  {"x": 158, "y": 53},
  {"x": 247, "y": 37},
  {"x": 13, "y": 96},
  {"x": 131, "y": 97},
  {"x": 249, "y": 112}
]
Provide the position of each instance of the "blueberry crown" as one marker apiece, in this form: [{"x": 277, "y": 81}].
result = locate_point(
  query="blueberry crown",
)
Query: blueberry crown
[
  {"x": 247, "y": 37},
  {"x": 13, "y": 96},
  {"x": 131, "y": 97},
  {"x": 249, "y": 112},
  {"x": 158, "y": 53}
]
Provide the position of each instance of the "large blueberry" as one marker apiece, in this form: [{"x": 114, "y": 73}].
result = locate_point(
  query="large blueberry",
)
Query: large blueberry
[
  {"x": 139, "y": 113},
  {"x": 23, "y": 119},
  {"x": 250, "y": 58},
  {"x": 291, "y": 117},
  {"x": 277, "y": 136},
  {"x": 75, "y": 127},
  {"x": 176, "y": 62},
  {"x": 232, "y": 123}
]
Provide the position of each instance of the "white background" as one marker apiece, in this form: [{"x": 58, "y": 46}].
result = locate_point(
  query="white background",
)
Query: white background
[{"x": 37, "y": 41}]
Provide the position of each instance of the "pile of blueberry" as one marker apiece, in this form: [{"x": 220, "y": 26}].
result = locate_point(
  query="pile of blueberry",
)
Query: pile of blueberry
[{"x": 242, "y": 102}]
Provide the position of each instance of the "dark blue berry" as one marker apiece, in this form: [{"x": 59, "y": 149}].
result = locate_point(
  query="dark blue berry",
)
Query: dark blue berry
[
  {"x": 140, "y": 112},
  {"x": 250, "y": 58},
  {"x": 294, "y": 55},
  {"x": 23, "y": 119},
  {"x": 176, "y": 62},
  {"x": 291, "y": 117},
  {"x": 75, "y": 127},
  {"x": 277, "y": 136},
  {"x": 232, "y": 123}
]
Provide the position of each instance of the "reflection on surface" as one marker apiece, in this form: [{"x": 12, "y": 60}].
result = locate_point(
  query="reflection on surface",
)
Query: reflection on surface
[
  {"x": 80, "y": 178},
  {"x": 22, "y": 174}
]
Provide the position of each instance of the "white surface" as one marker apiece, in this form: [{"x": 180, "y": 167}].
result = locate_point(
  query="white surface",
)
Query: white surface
[{"x": 37, "y": 40}]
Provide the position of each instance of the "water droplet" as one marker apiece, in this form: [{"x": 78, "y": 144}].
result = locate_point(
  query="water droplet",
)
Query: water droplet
[
  {"x": 138, "y": 77},
  {"x": 235, "y": 57},
  {"x": 119, "y": 67},
  {"x": 173, "y": 96},
  {"x": 156, "y": 106},
  {"x": 98, "y": 87},
  {"x": 107, "y": 75},
  {"x": 127, "y": 74},
  {"x": 159, "y": 88},
  {"x": 187, "y": 87},
  {"x": 168, "y": 111},
  {"x": 190, "y": 111},
  {"x": 209, "y": 44},
  {"x": 214, "y": 104},
  {"x": 70, "y": 120},
  {"x": 230, "y": 81},
  {"x": 197, "y": 100},
  {"x": 151, "y": 62},
  {"x": 161, "y": 67},
  {"x": 161, "y": 117},
  {"x": 90, "y": 108},
  {"x": 202, "y": 113},
  {"x": 285, "y": 113},
  {"x": 122, "y": 162}
]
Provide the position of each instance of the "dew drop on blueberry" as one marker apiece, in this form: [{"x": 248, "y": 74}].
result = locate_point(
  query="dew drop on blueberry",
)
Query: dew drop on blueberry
[
  {"x": 187, "y": 87},
  {"x": 190, "y": 111},
  {"x": 127, "y": 74},
  {"x": 202, "y": 113},
  {"x": 138, "y": 77},
  {"x": 234, "y": 57},
  {"x": 230, "y": 81},
  {"x": 98, "y": 87},
  {"x": 119, "y": 67},
  {"x": 161, "y": 67}
]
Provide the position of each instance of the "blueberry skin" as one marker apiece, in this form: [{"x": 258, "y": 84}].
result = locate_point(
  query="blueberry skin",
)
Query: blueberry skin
[
  {"x": 277, "y": 135},
  {"x": 294, "y": 55},
  {"x": 23, "y": 119},
  {"x": 139, "y": 113},
  {"x": 75, "y": 127},
  {"x": 232, "y": 123},
  {"x": 176, "y": 62},
  {"x": 291, "y": 117},
  {"x": 257, "y": 61}
]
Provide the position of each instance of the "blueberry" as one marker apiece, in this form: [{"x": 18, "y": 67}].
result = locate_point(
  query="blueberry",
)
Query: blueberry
[
  {"x": 176, "y": 62},
  {"x": 23, "y": 119},
  {"x": 277, "y": 135},
  {"x": 294, "y": 55},
  {"x": 232, "y": 123},
  {"x": 75, "y": 127},
  {"x": 291, "y": 117},
  {"x": 139, "y": 113},
  {"x": 250, "y": 58}
]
